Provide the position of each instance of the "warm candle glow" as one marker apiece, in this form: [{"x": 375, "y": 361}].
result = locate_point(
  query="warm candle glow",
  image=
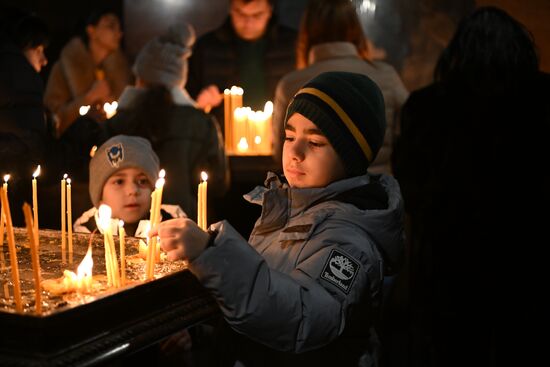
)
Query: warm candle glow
[
  {"x": 110, "y": 108},
  {"x": 92, "y": 151},
  {"x": 37, "y": 172},
  {"x": 83, "y": 110},
  {"x": 268, "y": 108},
  {"x": 6, "y": 178},
  {"x": 104, "y": 213},
  {"x": 204, "y": 176},
  {"x": 243, "y": 145},
  {"x": 65, "y": 176},
  {"x": 86, "y": 265}
]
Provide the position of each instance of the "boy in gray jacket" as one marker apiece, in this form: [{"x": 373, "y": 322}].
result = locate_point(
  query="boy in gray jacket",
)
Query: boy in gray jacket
[{"x": 305, "y": 289}]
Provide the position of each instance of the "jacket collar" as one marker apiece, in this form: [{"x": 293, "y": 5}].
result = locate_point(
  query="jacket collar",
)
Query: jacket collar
[
  {"x": 281, "y": 202},
  {"x": 331, "y": 50}
]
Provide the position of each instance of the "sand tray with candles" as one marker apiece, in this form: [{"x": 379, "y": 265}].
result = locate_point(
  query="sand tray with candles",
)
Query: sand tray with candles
[{"x": 86, "y": 328}]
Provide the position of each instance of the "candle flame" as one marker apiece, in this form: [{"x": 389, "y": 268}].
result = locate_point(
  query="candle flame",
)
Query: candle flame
[
  {"x": 92, "y": 151},
  {"x": 204, "y": 176},
  {"x": 83, "y": 110},
  {"x": 86, "y": 265},
  {"x": 37, "y": 172},
  {"x": 243, "y": 145},
  {"x": 105, "y": 212},
  {"x": 162, "y": 173},
  {"x": 65, "y": 176},
  {"x": 268, "y": 108},
  {"x": 6, "y": 178},
  {"x": 110, "y": 108},
  {"x": 121, "y": 223},
  {"x": 69, "y": 181},
  {"x": 258, "y": 140},
  {"x": 226, "y": 91},
  {"x": 160, "y": 183}
]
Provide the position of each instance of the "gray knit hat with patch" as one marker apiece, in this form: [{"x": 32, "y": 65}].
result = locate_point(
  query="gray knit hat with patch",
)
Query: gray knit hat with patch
[
  {"x": 119, "y": 152},
  {"x": 163, "y": 60}
]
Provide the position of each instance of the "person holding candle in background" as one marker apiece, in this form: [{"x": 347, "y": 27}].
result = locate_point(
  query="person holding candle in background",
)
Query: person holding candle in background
[
  {"x": 305, "y": 290},
  {"x": 123, "y": 172},
  {"x": 91, "y": 69},
  {"x": 250, "y": 50},
  {"x": 158, "y": 108}
]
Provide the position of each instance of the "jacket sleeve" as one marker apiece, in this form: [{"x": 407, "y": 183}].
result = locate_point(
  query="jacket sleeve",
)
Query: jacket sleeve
[
  {"x": 59, "y": 100},
  {"x": 293, "y": 312}
]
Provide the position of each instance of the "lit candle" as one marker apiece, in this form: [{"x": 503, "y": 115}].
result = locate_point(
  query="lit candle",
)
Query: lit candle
[
  {"x": 2, "y": 217},
  {"x": 121, "y": 238},
  {"x": 2, "y": 226},
  {"x": 155, "y": 220},
  {"x": 11, "y": 246},
  {"x": 83, "y": 110},
  {"x": 227, "y": 114},
  {"x": 35, "y": 203},
  {"x": 240, "y": 124},
  {"x": 201, "y": 205},
  {"x": 84, "y": 272},
  {"x": 63, "y": 212},
  {"x": 267, "y": 138},
  {"x": 34, "y": 257},
  {"x": 70, "y": 220},
  {"x": 110, "y": 108},
  {"x": 111, "y": 263}
]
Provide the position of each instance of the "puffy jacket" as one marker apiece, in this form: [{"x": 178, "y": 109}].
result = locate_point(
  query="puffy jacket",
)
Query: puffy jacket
[{"x": 306, "y": 287}]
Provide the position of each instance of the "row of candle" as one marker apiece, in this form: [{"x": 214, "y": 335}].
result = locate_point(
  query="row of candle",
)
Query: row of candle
[
  {"x": 84, "y": 272},
  {"x": 247, "y": 132},
  {"x": 108, "y": 107}
]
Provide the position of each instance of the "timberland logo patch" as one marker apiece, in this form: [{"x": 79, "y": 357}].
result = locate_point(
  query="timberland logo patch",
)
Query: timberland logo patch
[
  {"x": 340, "y": 270},
  {"x": 115, "y": 155}
]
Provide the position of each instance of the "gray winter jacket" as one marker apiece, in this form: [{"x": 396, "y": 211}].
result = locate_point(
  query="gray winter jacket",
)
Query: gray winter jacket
[{"x": 312, "y": 270}]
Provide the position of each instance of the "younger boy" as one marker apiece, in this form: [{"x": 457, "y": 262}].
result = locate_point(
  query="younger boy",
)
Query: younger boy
[
  {"x": 305, "y": 289},
  {"x": 123, "y": 172}
]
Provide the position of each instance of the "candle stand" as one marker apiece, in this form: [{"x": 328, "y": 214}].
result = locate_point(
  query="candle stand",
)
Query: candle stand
[{"x": 91, "y": 329}]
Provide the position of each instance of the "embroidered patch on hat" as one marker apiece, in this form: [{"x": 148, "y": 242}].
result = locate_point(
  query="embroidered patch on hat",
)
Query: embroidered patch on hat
[
  {"x": 115, "y": 154},
  {"x": 340, "y": 270}
]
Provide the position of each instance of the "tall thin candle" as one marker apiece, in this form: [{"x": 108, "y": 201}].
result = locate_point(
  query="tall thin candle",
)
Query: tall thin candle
[
  {"x": 34, "y": 257},
  {"x": 63, "y": 218},
  {"x": 70, "y": 220},
  {"x": 35, "y": 203},
  {"x": 201, "y": 202},
  {"x": 121, "y": 238},
  {"x": 12, "y": 249}
]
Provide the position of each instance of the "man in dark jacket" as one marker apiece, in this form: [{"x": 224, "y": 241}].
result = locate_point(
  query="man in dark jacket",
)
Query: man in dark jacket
[{"x": 249, "y": 50}]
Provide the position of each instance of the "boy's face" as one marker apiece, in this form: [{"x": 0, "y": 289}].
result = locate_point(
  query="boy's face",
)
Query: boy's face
[
  {"x": 309, "y": 160},
  {"x": 128, "y": 193}
]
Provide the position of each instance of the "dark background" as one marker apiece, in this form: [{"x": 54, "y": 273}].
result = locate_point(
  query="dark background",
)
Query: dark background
[{"x": 412, "y": 32}]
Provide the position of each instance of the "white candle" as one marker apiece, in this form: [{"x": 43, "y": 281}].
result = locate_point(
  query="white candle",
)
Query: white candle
[
  {"x": 70, "y": 220},
  {"x": 63, "y": 213},
  {"x": 35, "y": 205},
  {"x": 201, "y": 202},
  {"x": 121, "y": 238}
]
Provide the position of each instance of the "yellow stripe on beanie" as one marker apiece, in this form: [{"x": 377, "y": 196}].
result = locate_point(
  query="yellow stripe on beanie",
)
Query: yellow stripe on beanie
[{"x": 365, "y": 147}]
